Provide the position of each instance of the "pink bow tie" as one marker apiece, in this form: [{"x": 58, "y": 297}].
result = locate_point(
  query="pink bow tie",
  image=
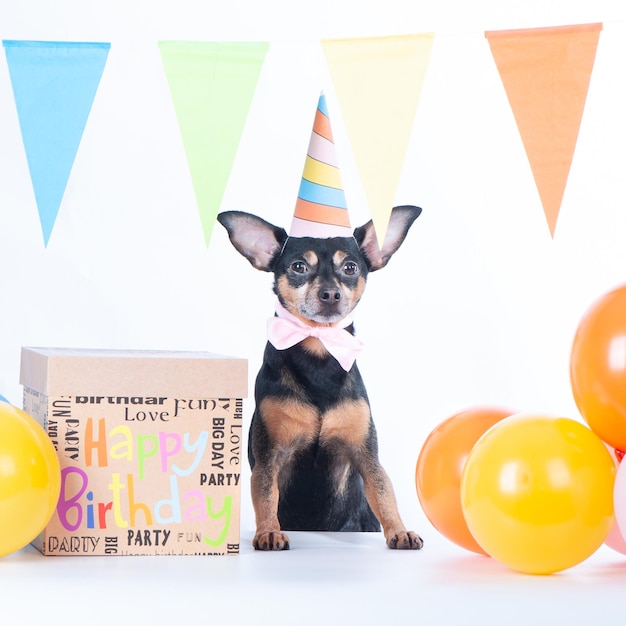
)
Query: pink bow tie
[{"x": 287, "y": 330}]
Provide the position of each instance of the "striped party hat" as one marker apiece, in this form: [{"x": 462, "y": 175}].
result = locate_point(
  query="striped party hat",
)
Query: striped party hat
[{"x": 321, "y": 209}]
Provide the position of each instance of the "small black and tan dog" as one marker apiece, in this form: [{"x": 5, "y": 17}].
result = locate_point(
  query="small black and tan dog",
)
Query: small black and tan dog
[{"x": 313, "y": 447}]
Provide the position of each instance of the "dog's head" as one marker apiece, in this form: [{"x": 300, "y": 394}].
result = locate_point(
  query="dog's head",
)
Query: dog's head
[{"x": 320, "y": 281}]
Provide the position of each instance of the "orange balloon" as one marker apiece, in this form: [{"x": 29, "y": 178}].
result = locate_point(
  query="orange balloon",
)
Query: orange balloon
[
  {"x": 440, "y": 467},
  {"x": 598, "y": 367}
]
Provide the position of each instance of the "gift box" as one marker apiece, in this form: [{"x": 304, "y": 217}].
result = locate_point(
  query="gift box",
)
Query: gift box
[{"x": 149, "y": 444}]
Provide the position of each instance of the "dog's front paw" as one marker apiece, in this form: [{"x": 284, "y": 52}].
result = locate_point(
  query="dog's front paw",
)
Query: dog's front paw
[
  {"x": 404, "y": 540},
  {"x": 270, "y": 540}
]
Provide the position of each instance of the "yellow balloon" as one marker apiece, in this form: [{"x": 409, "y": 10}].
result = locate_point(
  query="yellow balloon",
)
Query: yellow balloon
[
  {"x": 537, "y": 493},
  {"x": 30, "y": 479}
]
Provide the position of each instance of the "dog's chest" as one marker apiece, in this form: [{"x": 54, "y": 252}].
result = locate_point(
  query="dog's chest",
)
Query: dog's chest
[
  {"x": 312, "y": 345},
  {"x": 292, "y": 423}
]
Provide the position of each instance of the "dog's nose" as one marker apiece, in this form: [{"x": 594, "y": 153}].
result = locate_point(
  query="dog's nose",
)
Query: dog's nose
[{"x": 330, "y": 295}]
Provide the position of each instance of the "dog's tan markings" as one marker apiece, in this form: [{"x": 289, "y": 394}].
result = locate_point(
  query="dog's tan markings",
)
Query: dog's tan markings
[
  {"x": 287, "y": 293},
  {"x": 360, "y": 288},
  {"x": 338, "y": 258},
  {"x": 314, "y": 346},
  {"x": 382, "y": 500},
  {"x": 264, "y": 491},
  {"x": 345, "y": 430},
  {"x": 341, "y": 474},
  {"x": 292, "y": 298},
  {"x": 311, "y": 258},
  {"x": 289, "y": 422},
  {"x": 349, "y": 423},
  {"x": 353, "y": 295},
  {"x": 289, "y": 381}
]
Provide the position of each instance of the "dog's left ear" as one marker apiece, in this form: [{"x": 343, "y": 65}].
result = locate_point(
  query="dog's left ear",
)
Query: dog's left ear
[{"x": 402, "y": 217}]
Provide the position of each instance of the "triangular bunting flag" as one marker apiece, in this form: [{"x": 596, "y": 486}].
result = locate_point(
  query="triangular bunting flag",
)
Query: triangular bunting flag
[
  {"x": 546, "y": 74},
  {"x": 212, "y": 85},
  {"x": 54, "y": 84},
  {"x": 378, "y": 82}
]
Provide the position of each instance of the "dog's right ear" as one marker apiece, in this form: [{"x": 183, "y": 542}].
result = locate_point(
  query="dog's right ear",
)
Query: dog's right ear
[{"x": 259, "y": 241}]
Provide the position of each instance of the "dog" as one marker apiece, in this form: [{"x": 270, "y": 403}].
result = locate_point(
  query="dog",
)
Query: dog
[{"x": 312, "y": 445}]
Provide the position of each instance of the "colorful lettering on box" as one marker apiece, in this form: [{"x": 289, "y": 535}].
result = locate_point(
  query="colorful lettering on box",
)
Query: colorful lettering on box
[{"x": 168, "y": 454}]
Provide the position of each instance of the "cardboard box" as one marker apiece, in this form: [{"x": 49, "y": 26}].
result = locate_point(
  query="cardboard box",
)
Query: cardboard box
[{"x": 150, "y": 449}]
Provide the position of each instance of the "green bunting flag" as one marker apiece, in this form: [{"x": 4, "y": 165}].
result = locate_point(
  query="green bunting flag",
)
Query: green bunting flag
[{"x": 212, "y": 85}]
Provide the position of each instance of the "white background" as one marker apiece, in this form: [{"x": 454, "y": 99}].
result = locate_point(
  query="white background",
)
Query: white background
[{"x": 480, "y": 306}]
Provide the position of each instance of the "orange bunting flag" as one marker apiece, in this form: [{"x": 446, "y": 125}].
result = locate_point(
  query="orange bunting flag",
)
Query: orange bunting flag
[
  {"x": 546, "y": 74},
  {"x": 378, "y": 82}
]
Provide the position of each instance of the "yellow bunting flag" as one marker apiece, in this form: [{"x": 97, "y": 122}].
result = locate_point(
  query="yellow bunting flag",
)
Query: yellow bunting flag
[
  {"x": 546, "y": 73},
  {"x": 378, "y": 82}
]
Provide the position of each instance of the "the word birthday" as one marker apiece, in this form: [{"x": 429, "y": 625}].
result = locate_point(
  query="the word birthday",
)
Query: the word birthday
[{"x": 166, "y": 458}]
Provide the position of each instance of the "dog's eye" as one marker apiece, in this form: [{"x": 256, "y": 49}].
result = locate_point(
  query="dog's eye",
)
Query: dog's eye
[
  {"x": 299, "y": 267},
  {"x": 350, "y": 268}
]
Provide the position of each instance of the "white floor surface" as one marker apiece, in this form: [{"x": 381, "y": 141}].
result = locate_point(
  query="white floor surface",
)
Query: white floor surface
[{"x": 326, "y": 578}]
